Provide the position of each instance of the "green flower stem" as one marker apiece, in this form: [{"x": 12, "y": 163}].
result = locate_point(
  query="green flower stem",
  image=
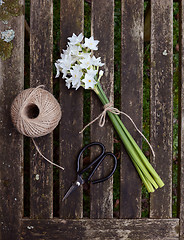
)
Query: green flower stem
[
  {"x": 144, "y": 168},
  {"x": 142, "y": 156},
  {"x": 127, "y": 144},
  {"x": 146, "y": 182},
  {"x": 137, "y": 162},
  {"x": 134, "y": 144}
]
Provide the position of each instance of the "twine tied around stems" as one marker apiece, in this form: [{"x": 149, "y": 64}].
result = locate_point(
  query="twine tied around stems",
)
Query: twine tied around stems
[{"x": 102, "y": 116}]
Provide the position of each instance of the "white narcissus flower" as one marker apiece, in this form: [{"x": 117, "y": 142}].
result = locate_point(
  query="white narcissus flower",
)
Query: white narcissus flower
[
  {"x": 97, "y": 61},
  {"x": 69, "y": 52},
  {"x": 75, "y": 39},
  {"x": 68, "y": 82},
  {"x": 89, "y": 81},
  {"x": 86, "y": 62},
  {"x": 91, "y": 43},
  {"x": 77, "y": 85},
  {"x": 66, "y": 52},
  {"x": 92, "y": 72},
  {"x": 84, "y": 55},
  {"x": 78, "y": 66},
  {"x": 58, "y": 68},
  {"x": 65, "y": 64},
  {"x": 74, "y": 50},
  {"x": 76, "y": 76}
]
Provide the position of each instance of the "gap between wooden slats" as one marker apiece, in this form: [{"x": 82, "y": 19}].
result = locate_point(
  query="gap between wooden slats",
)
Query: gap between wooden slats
[
  {"x": 101, "y": 195},
  {"x": 72, "y": 13},
  {"x": 161, "y": 103},
  {"x": 11, "y": 142},
  {"x": 181, "y": 123},
  {"x": 41, "y": 46},
  {"x": 131, "y": 101}
]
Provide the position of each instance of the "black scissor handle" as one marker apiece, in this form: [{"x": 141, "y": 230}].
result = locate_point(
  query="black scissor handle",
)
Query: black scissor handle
[
  {"x": 96, "y": 162},
  {"x": 100, "y": 161},
  {"x": 81, "y": 152}
]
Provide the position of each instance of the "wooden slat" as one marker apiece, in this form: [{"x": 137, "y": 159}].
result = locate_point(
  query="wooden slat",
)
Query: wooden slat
[
  {"x": 72, "y": 121},
  {"x": 161, "y": 103},
  {"x": 41, "y": 24},
  {"x": 131, "y": 101},
  {"x": 121, "y": 229},
  {"x": 11, "y": 142},
  {"x": 181, "y": 123},
  {"x": 101, "y": 195}
]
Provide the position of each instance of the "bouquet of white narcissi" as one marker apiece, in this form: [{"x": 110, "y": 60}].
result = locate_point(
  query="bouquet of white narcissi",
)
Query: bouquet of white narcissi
[{"x": 81, "y": 68}]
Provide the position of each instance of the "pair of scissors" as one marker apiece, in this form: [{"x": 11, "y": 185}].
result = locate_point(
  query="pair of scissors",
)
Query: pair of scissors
[{"x": 94, "y": 164}]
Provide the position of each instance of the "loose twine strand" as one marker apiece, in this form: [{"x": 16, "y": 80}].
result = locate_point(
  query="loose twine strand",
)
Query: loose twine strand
[
  {"x": 102, "y": 116},
  {"x": 38, "y": 150}
]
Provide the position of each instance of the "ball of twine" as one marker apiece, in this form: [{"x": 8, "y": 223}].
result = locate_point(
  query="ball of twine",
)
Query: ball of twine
[{"x": 35, "y": 112}]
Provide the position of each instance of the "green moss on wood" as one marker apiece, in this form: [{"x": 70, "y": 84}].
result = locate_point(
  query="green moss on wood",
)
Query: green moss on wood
[
  {"x": 5, "y": 49},
  {"x": 10, "y": 8}
]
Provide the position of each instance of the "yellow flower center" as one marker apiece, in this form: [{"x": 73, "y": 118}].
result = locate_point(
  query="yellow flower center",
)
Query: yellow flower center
[{"x": 89, "y": 80}]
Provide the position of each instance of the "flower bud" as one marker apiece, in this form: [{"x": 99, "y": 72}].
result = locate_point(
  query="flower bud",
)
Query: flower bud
[{"x": 101, "y": 73}]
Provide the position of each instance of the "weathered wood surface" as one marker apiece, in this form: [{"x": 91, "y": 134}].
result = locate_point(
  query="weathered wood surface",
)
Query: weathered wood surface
[
  {"x": 11, "y": 142},
  {"x": 71, "y": 102},
  {"x": 131, "y": 101},
  {"x": 101, "y": 195},
  {"x": 41, "y": 46},
  {"x": 161, "y": 226},
  {"x": 161, "y": 104},
  {"x": 108, "y": 229},
  {"x": 181, "y": 123}
]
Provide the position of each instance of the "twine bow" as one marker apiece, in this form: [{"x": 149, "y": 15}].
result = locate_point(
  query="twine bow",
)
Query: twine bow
[{"x": 102, "y": 116}]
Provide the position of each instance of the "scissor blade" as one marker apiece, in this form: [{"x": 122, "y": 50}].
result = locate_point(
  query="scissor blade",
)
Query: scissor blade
[
  {"x": 71, "y": 189},
  {"x": 74, "y": 186}
]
